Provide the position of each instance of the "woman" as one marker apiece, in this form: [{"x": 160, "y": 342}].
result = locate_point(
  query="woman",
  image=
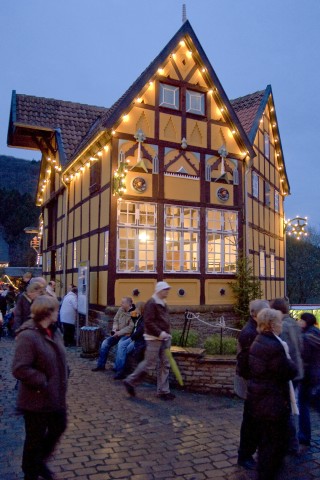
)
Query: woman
[
  {"x": 40, "y": 366},
  {"x": 269, "y": 391},
  {"x": 311, "y": 380}
]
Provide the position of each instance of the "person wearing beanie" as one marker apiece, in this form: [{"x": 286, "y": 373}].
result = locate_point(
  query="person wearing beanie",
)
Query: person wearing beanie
[{"x": 158, "y": 338}]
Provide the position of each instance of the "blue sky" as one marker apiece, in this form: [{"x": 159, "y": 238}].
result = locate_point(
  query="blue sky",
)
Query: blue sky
[{"x": 90, "y": 51}]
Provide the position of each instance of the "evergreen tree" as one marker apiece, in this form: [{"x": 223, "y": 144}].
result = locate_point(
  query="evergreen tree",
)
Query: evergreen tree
[{"x": 245, "y": 288}]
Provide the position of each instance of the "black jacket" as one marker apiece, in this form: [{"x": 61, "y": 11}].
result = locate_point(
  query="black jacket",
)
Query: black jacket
[
  {"x": 271, "y": 370},
  {"x": 245, "y": 340}
]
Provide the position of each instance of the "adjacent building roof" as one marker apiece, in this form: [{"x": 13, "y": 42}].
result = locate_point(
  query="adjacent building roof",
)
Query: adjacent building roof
[
  {"x": 247, "y": 108},
  {"x": 73, "y": 119}
]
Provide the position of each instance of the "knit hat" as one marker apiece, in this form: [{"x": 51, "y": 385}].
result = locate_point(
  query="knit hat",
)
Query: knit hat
[{"x": 161, "y": 286}]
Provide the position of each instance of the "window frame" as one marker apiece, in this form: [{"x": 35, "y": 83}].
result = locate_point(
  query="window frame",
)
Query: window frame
[
  {"x": 255, "y": 185},
  {"x": 266, "y": 143},
  {"x": 189, "y": 94},
  {"x": 267, "y": 194},
  {"x": 276, "y": 201},
  {"x": 224, "y": 234},
  {"x": 162, "y": 99},
  {"x": 138, "y": 228},
  {"x": 182, "y": 231},
  {"x": 272, "y": 265},
  {"x": 262, "y": 263}
]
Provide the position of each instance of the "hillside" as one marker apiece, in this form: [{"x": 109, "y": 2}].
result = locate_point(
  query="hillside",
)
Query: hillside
[{"x": 19, "y": 174}]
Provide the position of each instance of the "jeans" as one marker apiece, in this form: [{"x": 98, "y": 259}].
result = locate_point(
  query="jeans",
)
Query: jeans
[
  {"x": 106, "y": 345},
  {"x": 125, "y": 346},
  {"x": 43, "y": 431},
  {"x": 304, "y": 400}
]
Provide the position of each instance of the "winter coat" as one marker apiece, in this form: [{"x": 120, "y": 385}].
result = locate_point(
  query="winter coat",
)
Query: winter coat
[
  {"x": 156, "y": 318},
  {"x": 69, "y": 308},
  {"x": 292, "y": 335},
  {"x": 137, "y": 333},
  {"x": 245, "y": 340},
  {"x": 39, "y": 364},
  {"x": 122, "y": 322},
  {"x": 311, "y": 354},
  {"x": 270, "y": 370},
  {"x": 22, "y": 310}
]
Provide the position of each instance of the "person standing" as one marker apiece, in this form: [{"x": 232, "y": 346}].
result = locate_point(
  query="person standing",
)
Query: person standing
[
  {"x": 248, "y": 433},
  {"x": 50, "y": 289},
  {"x": 311, "y": 380},
  {"x": 68, "y": 316},
  {"x": 270, "y": 396},
  {"x": 158, "y": 338},
  {"x": 22, "y": 310},
  {"x": 39, "y": 364}
]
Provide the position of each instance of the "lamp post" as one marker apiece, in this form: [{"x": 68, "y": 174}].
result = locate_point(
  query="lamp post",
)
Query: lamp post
[{"x": 295, "y": 227}]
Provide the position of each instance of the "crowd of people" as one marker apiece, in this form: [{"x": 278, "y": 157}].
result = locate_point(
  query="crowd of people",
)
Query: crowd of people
[{"x": 277, "y": 374}]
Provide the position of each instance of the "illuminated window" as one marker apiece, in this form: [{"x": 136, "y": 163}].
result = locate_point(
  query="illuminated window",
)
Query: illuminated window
[
  {"x": 182, "y": 231},
  {"x": 222, "y": 241},
  {"x": 169, "y": 96},
  {"x": 276, "y": 201},
  {"x": 266, "y": 145},
  {"x": 262, "y": 263},
  {"x": 106, "y": 248},
  {"x": 195, "y": 102},
  {"x": 272, "y": 265},
  {"x": 74, "y": 257},
  {"x": 136, "y": 243},
  {"x": 255, "y": 185}
]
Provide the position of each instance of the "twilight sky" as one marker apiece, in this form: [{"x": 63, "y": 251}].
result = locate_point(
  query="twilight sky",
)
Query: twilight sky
[{"x": 90, "y": 51}]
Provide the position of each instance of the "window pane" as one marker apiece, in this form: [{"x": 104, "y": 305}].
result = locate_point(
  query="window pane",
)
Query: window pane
[
  {"x": 172, "y": 251},
  {"x": 173, "y": 217},
  {"x": 213, "y": 219},
  {"x": 195, "y": 102},
  {"x": 169, "y": 96},
  {"x": 190, "y": 251},
  {"x": 146, "y": 248},
  {"x": 230, "y": 221},
  {"x": 214, "y": 252},
  {"x": 147, "y": 215},
  {"x": 191, "y": 218},
  {"x": 230, "y": 253}
]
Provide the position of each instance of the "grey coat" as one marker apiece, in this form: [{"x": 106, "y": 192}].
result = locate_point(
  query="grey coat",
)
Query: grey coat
[
  {"x": 39, "y": 364},
  {"x": 292, "y": 334}
]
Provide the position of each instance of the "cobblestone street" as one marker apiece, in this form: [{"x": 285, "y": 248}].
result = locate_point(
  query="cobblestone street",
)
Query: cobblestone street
[{"x": 111, "y": 436}]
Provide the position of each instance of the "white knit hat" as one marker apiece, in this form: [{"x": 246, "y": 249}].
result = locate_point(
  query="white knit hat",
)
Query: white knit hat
[{"x": 161, "y": 286}]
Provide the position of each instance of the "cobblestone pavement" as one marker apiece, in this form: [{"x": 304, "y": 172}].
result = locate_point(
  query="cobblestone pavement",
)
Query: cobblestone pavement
[{"x": 111, "y": 436}]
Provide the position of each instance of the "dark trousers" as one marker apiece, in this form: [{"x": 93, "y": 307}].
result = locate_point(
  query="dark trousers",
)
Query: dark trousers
[
  {"x": 68, "y": 334},
  {"x": 43, "y": 431},
  {"x": 273, "y": 445},
  {"x": 249, "y": 436}
]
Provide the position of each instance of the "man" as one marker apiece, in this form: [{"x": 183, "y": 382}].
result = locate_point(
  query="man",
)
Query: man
[
  {"x": 122, "y": 326},
  {"x": 248, "y": 431},
  {"x": 22, "y": 310},
  {"x": 158, "y": 338}
]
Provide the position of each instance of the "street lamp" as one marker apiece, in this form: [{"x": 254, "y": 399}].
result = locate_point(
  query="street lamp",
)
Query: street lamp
[{"x": 295, "y": 227}]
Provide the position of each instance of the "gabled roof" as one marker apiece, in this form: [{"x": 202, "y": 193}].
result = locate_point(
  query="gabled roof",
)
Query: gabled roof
[
  {"x": 247, "y": 109},
  {"x": 123, "y": 103},
  {"x": 73, "y": 119}
]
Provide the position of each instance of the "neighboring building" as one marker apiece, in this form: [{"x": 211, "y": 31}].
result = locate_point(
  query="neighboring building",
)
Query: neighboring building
[{"x": 172, "y": 182}]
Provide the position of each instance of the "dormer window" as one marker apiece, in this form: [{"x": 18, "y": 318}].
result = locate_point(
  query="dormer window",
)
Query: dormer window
[
  {"x": 195, "y": 102},
  {"x": 169, "y": 96}
]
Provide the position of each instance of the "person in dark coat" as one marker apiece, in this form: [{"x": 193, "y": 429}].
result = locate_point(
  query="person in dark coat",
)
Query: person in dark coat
[
  {"x": 22, "y": 310},
  {"x": 311, "y": 381},
  {"x": 40, "y": 366},
  {"x": 269, "y": 394},
  {"x": 248, "y": 434}
]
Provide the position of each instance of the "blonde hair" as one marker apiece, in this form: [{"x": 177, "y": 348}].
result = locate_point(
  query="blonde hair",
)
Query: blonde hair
[
  {"x": 267, "y": 318},
  {"x": 35, "y": 287},
  {"x": 42, "y": 307}
]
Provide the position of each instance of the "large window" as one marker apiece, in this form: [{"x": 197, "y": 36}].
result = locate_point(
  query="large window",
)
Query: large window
[
  {"x": 276, "y": 201},
  {"x": 221, "y": 241},
  {"x": 272, "y": 265},
  {"x": 266, "y": 145},
  {"x": 169, "y": 96},
  {"x": 267, "y": 194},
  {"x": 136, "y": 245},
  {"x": 181, "y": 249},
  {"x": 195, "y": 102},
  {"x": 106, "y": 248}
]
